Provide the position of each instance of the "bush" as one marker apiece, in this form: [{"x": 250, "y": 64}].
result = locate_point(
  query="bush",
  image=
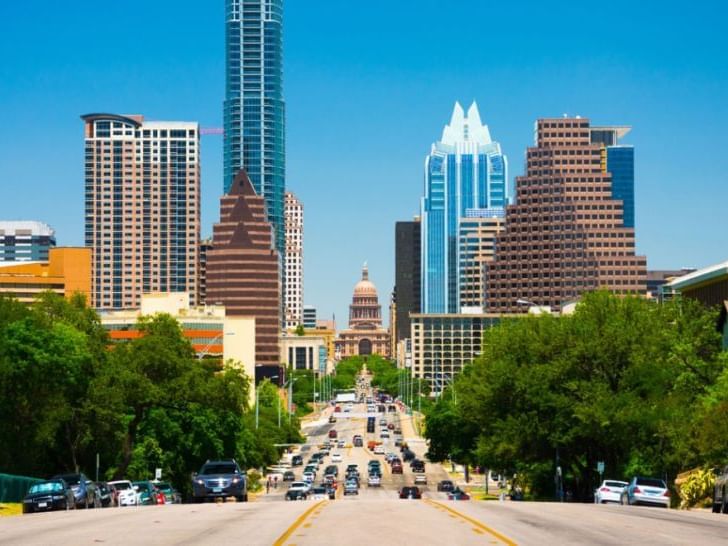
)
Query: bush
[
  {"x": 695, "y": 488},
  {"x": 254, "y": 478}
]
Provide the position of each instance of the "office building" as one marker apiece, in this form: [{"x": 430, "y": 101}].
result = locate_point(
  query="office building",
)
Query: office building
[
  {"x": 656, "y": 279},
  {"x": 565, "y": 235},
  {"x": 465, "y": 170},
  {"x": 293, "y": 258},
  {"x": 142, "y": 207},
  {"x": 365, "y": 335},
  {"x": 304, "y": 352},
  {"x": 309, "y": 317},
  {"x": 254, "y": 110},
  {"x": 212, "y": 333},
  {"x": 618, "y": 160},
  {"x": 205, "y": 247},
  {"x": 67, "y": 271},
  {"x": 478, "y": 231},
  {"x": 443, "y": 343},
  {"x": 24, "y": 241},
  {"x": 243, "y": 267},
  {"x": 407, "y": 265}
]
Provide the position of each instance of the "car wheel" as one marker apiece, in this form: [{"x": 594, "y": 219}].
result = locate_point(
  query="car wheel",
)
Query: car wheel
[
  {"x": 621, "y": 500},
  {"x": 239, "y": 498},
  {"x": 716, "y": 506}
]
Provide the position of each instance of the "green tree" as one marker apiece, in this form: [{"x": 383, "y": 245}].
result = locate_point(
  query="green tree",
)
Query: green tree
[{"x": 300, "y": 330}]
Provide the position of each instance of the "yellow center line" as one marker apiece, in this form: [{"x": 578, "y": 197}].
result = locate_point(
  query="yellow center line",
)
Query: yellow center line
[
  {"x": 296, "y": 524},
  {"x": 479, "y": 525}
]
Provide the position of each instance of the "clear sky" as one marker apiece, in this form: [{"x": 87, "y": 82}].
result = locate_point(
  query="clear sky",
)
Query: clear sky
[{"x": 369, "y": 86}]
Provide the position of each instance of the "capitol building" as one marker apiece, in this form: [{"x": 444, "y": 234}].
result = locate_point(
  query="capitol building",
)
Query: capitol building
[{"x": 365, "y": 335}]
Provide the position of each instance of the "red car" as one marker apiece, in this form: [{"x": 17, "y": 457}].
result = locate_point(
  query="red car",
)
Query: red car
[
  {"x": 337, "y": 409},
  {"x": 396, "y": 468},
  {"x": 332, "y": 433},
  {"x": 410, "y": 492}
]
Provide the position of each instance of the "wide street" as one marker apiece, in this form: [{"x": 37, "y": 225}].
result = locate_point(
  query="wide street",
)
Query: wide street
[{"x": 375, "y": 516}]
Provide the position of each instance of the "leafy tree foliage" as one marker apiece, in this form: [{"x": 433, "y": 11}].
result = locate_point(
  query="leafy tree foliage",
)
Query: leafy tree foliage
[{"x": 622, "y": 380}]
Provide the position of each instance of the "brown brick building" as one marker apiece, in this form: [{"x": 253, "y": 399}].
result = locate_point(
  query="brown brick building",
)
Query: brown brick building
[
  {"x": 565, "y": 235},
  {"x": 242, "y": 266}
]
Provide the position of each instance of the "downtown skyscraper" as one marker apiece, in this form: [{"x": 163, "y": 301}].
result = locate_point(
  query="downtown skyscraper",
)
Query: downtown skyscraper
[
  {"x": 466, "y": 175},
  {"x": 293, "y": 261},
  {"x": 254, "y": 110},
  {"x": 142, "y": 207}
]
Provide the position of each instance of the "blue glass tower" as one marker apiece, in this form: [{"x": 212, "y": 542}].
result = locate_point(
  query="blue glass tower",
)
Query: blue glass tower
[
  {"x": 465, "y": 171},
  {"x": 618, "y": 160},
  {"x": 254, "y": 113}
]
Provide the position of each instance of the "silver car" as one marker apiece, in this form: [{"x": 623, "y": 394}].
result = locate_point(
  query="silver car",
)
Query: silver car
[
  {"x": 609, "y": 491},
  {"x": 647, "y": 491}
]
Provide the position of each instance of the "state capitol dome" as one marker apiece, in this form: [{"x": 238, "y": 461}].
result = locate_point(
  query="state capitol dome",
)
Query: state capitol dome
[{"x": 365, "y": 287}]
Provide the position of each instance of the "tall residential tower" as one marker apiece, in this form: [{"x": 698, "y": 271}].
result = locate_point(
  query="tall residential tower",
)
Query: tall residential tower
[
  {"x": 254, "y": 111},
  {"x": 465, "y": 172},
  {"x": 142, "y": 201}
]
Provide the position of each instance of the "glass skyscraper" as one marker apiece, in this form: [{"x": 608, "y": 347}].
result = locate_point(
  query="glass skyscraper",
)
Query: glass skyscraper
[
  {"x": 618, "y": 160},
  {"x": 254, "y": 113},
  {"x": 464, "y": 172}
]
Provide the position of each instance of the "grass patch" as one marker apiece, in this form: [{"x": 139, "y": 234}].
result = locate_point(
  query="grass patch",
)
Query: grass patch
[{"x": 11, "y": 509}]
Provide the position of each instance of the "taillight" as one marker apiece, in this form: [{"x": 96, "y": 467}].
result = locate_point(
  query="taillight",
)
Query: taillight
[
  {"x": 605, "y": 489},
  {"x": 636, "y": 490},
  {"x": 666, "y": 493}
]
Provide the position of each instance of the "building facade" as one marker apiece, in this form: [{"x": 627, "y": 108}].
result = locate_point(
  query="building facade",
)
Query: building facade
[
  {"x": 365, "y": 335},
  {"x": 304, "y": 352},
  {"x": 478, "y": 231},
  {"x": 210, "y": 331},
  {"x": 243, "y": 267},
  {"x": 205, "y": 247},
  {"x": 443, "y": 343},
  {"x": 24, "y": 241},
  {"x": 293, "y": 258},
  {"x": 67, "y": 271},
  {"x": 565, "y": 234},
  {"x": 407, "y": 267},
  {"x": 656, "y": 279},
  {"x": 465, "y": 170},
  {"x": 142, "y": 202},
  {"x": 309, "y": 317},
  {"x": 618, "y": 160},
  {"x": 254, "y": 109}
]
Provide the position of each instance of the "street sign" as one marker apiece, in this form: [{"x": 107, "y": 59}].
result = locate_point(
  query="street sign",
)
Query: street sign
[{"x": 600, "y": 467}]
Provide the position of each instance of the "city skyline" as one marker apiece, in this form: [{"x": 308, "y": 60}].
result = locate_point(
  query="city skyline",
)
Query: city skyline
[{"x": 666, "y": 93}]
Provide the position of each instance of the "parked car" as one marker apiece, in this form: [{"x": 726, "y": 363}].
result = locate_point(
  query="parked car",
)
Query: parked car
[
  {"x": 126, "y": 495},
  {"x": 171, "y": 495},
  {"x": 84, "y": 490},
  {"x": 445, "y": 485},
  {"x": 298, "y": 491},
  {"x": 720, "y": 492},
  {"x": 106, "y": 494},
  {"x": 289, "y": 476},
  {"x": 146, "y": 491},
  {"x": 609, "y": 491},
  {"x": 50, "y": 495},
  {"x": 410, "y": 492},
  {"x": 222, "y": 478},
  {"x": 458, "y": 494},
  {"x": 647, "y": 491}
]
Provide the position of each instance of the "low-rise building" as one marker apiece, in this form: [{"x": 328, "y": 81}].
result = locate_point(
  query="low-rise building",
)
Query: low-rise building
[
  {"x": 212, "y": 333},
  {"x": 25, "y": 241},
  {"x": 67, "y": 271},
  {"x": 306, "y": 352}
]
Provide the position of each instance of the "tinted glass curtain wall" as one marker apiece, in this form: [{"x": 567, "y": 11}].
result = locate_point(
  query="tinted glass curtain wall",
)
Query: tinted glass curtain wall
[{"x": 254, "y": 109}]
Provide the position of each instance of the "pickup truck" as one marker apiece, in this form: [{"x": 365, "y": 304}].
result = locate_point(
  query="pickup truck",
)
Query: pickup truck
[{"x": 720, "y": 492}]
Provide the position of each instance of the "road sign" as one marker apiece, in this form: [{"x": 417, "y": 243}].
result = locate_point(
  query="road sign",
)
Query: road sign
[{"x": 600, "y": 467}]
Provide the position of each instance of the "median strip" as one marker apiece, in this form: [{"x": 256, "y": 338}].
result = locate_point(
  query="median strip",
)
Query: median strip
[
  {"x": 478, "y": 526},
  {"x": 296, "y": 524}
]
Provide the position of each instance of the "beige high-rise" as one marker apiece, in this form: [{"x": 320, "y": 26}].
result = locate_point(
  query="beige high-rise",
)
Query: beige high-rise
[
  {"x": 293, "y": 262},
  {"x": 142, "y": 206}
]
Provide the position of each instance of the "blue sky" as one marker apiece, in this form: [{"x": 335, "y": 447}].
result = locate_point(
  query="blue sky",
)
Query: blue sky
[{"x": 368, "y": 87}]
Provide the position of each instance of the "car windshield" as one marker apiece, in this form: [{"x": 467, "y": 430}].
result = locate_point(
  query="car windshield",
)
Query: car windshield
[
  {"x": 163, "y": 485},
  {"x": 221, "y": 468},
  {"x": 46, "y": 487},
  {"x": 651, "y": 482},
  {"x": 141, "y": 486}
]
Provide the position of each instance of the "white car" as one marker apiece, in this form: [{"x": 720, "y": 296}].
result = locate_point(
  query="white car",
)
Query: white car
[
  {"x": 379, "y": 449},
  {"x": 336, "y": 458},
  {"x": 308, "y": 477},
  {"x": 128, "y": 496},
  {"x": 609, "y": 491},
  {"x": 340, "y": 443},
  {"x": 374, "y": 480},
  {"x": 421, "y": 478}
]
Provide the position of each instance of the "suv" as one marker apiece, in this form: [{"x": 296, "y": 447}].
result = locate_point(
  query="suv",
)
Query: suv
[
  {"x": 84, "y": 490},
  {"x": 220, "y": 479}
]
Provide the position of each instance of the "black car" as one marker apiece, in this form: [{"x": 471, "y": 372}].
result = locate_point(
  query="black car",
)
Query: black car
[
  {"x": 332, "y": 469},
  {"x": 50, "y": 495},
  {"x": 417, "y": 466},
  {"x": 288, "y": 476},
  {"x": 410, "y": 492},
  {"x": 297, "y": 460},
  {"x": 408, "y": 455},
  {"x": 445, "y": 485},
  {"x": 84, "y": 490},
  {"x": 220, "y": 479},
  {"x": 296, "y": 494},
  {"x": 106, "y": 495}
]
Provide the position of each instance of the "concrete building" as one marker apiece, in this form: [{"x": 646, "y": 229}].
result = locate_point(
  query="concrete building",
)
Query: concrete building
[
  {"x": 565, "y": 235},
  {"x": 465, "y": 170},
  {"x": 407, "y": 276},
  {"x": 212, "y": 333},
  {"x": 365, "y": 335},
  {"x": 309, "y": 317},
  {"x": 66, "y": 271},
  {"x": 658, "y": 278},
  {"x": 142, "y": 202},
  {"x": 304, "y": 352},
  {"x": 205, "y": 247},
  {"x": 243, "y": 266},
  {"x": 293, "y": 258},
  {"x": 443, "y": 343},
  {"x": 254, "y": 110},
  {"x": 478, "y": 232},
  {"x": 25, "y": 241}
]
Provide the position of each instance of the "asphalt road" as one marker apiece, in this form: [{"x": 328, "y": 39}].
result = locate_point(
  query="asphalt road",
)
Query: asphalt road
[{"x": 375, "y": 516}]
